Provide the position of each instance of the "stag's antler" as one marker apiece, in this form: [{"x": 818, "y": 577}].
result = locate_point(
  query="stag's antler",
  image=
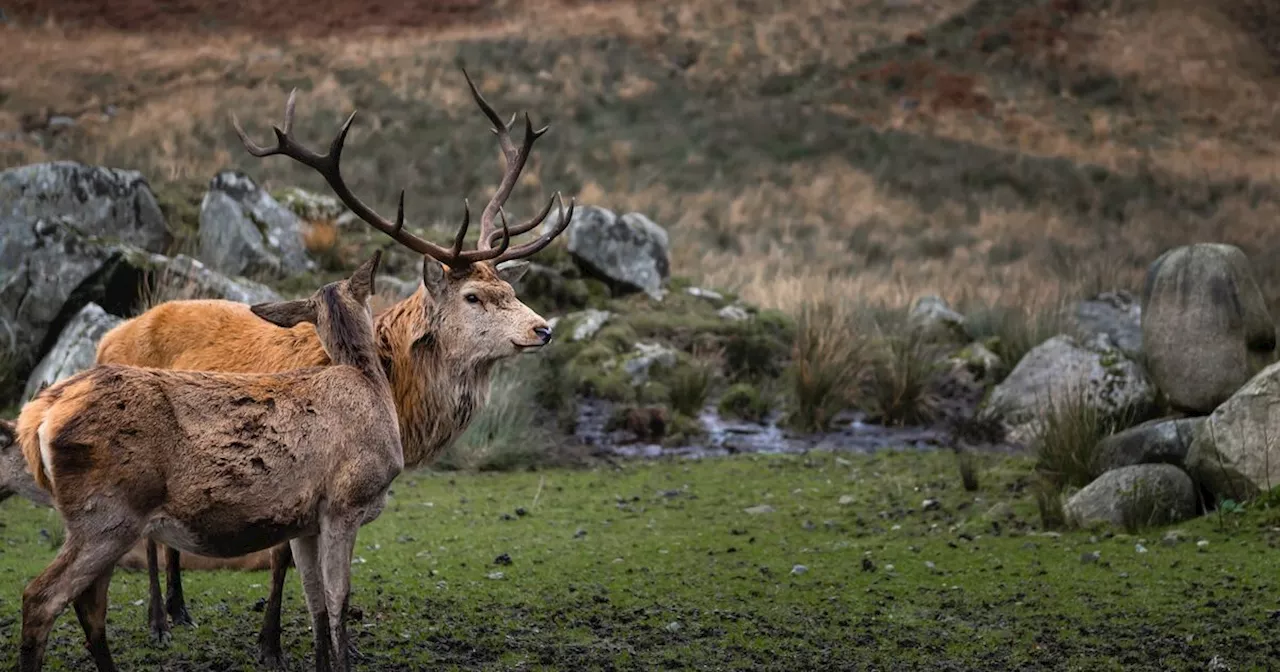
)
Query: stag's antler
[
  {"x": 328, "y": 165},
  {"x": 515, "y": 160}
]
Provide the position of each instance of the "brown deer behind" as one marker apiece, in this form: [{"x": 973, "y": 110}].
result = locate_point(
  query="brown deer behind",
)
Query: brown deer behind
[{"x": 218, "y": 464}]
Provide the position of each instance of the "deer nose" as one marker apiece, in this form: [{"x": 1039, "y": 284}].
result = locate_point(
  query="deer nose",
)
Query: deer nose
[{"x": 543, "y": 333}]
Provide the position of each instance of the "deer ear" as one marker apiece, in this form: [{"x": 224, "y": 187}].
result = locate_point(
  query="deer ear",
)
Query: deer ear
[
  {"x": 512, "y": 271},
  {"x": 433, "y": 276},
  {"x": 286, "y": 314},
  {"x": 361, "y": 282}
]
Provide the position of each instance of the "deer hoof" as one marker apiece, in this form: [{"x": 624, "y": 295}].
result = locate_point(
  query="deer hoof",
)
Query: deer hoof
[
  {"x": 180, "y": 616},
  {"x": 161, "y": 637}
]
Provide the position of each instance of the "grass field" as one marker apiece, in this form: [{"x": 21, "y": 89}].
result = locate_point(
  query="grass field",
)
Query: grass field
[{"x": 659, "y": 565}]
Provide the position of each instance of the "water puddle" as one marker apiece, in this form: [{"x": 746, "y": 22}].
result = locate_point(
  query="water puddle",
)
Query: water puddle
[{"x": 727, "y": 436}]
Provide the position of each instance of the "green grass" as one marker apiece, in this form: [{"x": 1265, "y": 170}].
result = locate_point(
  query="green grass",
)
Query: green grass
[{"x": 655, "y": 565}]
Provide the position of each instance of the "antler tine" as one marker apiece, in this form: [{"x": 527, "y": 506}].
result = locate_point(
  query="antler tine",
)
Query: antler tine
[
  {"x": 527, "y": 225},
  {"x": 329, "y": 167},
  {"x": 545, "y": 239}
]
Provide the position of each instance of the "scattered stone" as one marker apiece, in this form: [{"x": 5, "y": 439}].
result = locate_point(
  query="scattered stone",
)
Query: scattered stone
[
  {"x": 1205, "y": 325},
  {"x": 1138, "y": 495},
  {"x": 520, "y": 511},
  {"x": 734, "y": 313},
  {"x": 630, "y": 253},
  {"x": 587, "y": 322},
  {"x": 645, "y": 357},
  {"x": 846, "y": 500},
  {"x": 1234, "y": 452},
  {"x": 888, "y": 568},
  {"x": 979, "y": 361},
  {"x": 934, "y": 320},
  {"x": 75, "y": 349},
  {"x": 1162, "y": 441},
  {"x": 496, "y": 576},
  {"x": 1117, "y": 314},
  {"x": 1202, "y": 544},
  {"x": 761, "y": 508},
  {"x": 707, "y": 294},
  {"x": 1090, "y": 557},
  {"x": 1139, "y": 548},
  {"x": 580, "y": 533},
  {"x": 1061, "y": 370},
  {"x": 798, "y": 570},
  {"x": 930, "y": 505},
  {"x": 504, "y": 560},
  {"x": 244, "y": 231},
  {"x": 928, "y": 564},
  {"x": 673, "y": 626}
]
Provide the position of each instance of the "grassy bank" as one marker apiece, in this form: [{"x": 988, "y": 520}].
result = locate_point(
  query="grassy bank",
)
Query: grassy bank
[{"x": 659, "y": 565}]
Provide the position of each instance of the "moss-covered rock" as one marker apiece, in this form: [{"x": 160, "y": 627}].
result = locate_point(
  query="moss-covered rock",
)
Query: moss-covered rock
[{"x": 683, "y": 430}]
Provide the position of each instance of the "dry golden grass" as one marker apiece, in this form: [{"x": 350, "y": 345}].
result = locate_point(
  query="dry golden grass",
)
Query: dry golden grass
[{"x": 812, "y": 228}]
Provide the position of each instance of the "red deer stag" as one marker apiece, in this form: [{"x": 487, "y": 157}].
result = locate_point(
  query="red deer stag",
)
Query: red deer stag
[
  {"x": 438, "y": 346},
  {"x": 217, "y": 463}
]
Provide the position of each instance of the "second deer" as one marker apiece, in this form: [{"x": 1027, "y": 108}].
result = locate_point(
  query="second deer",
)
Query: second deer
[{"x": 218, "y": 464}]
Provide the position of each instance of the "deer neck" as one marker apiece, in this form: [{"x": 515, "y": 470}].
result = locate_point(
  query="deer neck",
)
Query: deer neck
[{"x": 436, "y": 393}]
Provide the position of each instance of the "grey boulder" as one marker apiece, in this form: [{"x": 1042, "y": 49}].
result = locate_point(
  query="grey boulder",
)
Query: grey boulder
[
  {"x": 245, "y": 231},
  {"x": 1235, "y": 453},
  {"x": 75, "y": 349},
  {"x": 629, "y": 252},
  {"x": 1134, "y": 496},
  {"x": 1161, "y": 441},
  {"x": 1205, "y": 324}
]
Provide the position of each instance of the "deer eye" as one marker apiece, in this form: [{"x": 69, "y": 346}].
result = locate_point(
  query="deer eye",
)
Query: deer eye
[{"x": 472, "y": 298}]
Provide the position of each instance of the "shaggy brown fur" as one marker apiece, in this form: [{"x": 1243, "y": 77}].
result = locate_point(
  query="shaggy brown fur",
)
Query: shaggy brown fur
[{"x": 217, "y": 463}]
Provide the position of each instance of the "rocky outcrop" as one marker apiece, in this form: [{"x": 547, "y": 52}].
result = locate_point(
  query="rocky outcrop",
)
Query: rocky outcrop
[
  {"x": 1205, "y": 325},
  {"x": 629, "y": 252},
  {"x": 1063, "y": 369},
  {"x": 1134, "y": 496},
  {"x": 75, "y": 349},
  {"x": 56, "y": 275},
  {"x": 1235, "y": 452},
  {"x": 244, "y": 231},
  {"x": 113, "y": 205}
]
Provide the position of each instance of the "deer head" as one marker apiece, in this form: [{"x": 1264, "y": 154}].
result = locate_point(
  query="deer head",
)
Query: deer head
[{"x": 469, "y": 300}]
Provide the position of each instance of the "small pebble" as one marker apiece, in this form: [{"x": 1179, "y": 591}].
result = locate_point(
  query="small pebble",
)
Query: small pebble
[
  {"x": 1140, "y": 548},
  {"x": 497, "y": 576},
  {"x": 799, "y": 569}
]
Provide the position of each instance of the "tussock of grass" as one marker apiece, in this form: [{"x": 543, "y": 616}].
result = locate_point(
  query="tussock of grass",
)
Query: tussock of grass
[
  {"x": 688, "y": 386},
  {"x": 828, "y": 363},
  {"x": 1066, "y": 445},
  {"x": 902, "y": 385},
  {"x": 509, "y": 432}
]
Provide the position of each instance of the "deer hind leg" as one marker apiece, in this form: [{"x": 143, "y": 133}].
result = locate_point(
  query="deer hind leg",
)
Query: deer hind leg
[
  {"x": 269, "y": 651},
  {"x": 155, "y": 607},
  {"x": 91, "y": 610},
  {"x": 306, "y": 555},
  {"x": 175, "y": 604},
  {"x": 81, "y": 561},
  {"x": 337, "y": 541}
]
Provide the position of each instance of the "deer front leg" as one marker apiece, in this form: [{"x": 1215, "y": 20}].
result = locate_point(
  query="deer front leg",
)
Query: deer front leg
[
  {"x": 174, "y": 602},
  {"x": 337, "y": 541},
  {"x": 155, "y": 607},
  {"x": 306, "y": 555},
  {"x": 269, "y": 651},
  {"x": 91, "y": 610}
]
